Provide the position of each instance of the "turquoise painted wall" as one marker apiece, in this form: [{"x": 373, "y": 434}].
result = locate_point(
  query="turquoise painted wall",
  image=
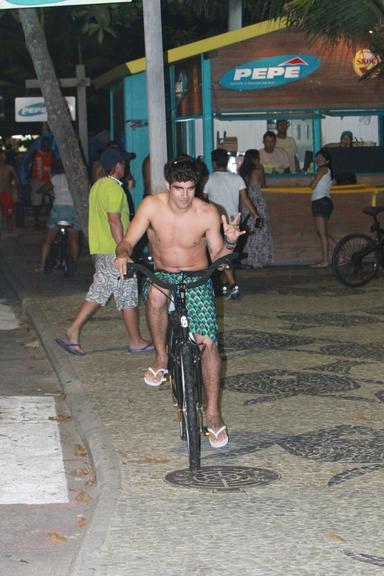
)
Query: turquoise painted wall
[{"x": 136, "y": 128}]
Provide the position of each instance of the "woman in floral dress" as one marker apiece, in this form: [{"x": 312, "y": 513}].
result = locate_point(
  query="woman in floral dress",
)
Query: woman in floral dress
[{"x": 258, "y": 248}]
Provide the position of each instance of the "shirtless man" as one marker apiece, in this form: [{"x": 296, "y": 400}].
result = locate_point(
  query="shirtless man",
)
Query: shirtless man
[
  {"x": 8, "y": 181},
  {"x": 181, "y": 230}
]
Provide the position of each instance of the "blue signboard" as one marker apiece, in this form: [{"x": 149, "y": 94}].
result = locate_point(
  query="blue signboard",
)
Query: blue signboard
[{"x": 270, "y": 72}]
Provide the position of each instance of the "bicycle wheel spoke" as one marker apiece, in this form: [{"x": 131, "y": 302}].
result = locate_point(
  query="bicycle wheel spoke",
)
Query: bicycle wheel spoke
[{"x": 355, "y": 260}]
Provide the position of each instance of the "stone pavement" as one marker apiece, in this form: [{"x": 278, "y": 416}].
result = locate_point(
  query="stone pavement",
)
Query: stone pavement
[
  {"x": 298, "y": 489},
  {"x": 47, "y": 485}
]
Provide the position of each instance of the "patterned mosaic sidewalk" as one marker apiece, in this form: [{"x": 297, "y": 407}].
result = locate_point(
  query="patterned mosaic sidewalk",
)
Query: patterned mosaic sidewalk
[{"x": 298, "y": 490}]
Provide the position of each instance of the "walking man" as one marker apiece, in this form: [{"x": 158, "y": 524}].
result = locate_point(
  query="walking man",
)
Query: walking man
[
  {"x": 108, "y": 221},
  {"x": 227, "y": 191},
  {"x": 40, "y": 167},
  {"x": 181, "y": 231}
]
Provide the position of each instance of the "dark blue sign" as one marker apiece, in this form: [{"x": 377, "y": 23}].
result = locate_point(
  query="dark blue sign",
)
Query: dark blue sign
[{"x": 270, "y": 72}]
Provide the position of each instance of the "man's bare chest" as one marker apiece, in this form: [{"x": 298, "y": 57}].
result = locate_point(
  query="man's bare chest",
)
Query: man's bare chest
[{"x": 181, "y": 232}]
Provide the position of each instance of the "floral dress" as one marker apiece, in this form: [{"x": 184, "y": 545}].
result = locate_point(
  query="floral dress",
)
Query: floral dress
[{"x": 257, "y": 249}]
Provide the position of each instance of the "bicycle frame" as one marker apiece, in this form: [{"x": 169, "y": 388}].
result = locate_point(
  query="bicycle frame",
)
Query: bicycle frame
[
  {"x": 180, "y": 335},
  {"x": 184, "y": 364}
]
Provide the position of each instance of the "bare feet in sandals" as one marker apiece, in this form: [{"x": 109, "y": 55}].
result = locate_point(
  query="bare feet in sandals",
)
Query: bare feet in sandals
[{"x": 218, "y": 434}]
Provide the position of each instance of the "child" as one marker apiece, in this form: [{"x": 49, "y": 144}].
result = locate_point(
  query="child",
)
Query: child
[{"x": 322, "y": 205}]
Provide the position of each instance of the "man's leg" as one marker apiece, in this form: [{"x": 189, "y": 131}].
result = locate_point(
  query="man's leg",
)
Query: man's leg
[
  {"x": 131, "y": 320},
  {"x": 211, "y": 364},
  {"x": 230, "y": 288},
  {"x": 157, "y": 318},
  {"x": 74, "y": 246},
  {"x": 50, "y": 235},
  {"x": 87, "y": 309},
  {"x": 36, "y": 201}
]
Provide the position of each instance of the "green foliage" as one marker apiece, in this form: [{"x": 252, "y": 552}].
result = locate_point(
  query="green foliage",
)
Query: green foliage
[
  {"x": 354, "y": 21},
  {"x": 351, "y": 20}
]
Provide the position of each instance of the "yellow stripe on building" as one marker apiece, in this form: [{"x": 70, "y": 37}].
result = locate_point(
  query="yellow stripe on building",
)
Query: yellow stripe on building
[{"x": 192, "y": 49}]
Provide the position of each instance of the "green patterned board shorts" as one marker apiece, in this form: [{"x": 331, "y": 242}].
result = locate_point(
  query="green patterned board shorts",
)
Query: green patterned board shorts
[{"x": 200, "y": 303}]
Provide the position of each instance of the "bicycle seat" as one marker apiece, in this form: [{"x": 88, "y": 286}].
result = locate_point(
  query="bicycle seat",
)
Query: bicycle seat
[
  {"x": 68, "y": 224},
  {"x": 373, "y": 210}
]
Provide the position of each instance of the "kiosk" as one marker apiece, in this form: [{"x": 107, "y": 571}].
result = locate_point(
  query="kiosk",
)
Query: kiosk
[{"x": 229, "y": 89}]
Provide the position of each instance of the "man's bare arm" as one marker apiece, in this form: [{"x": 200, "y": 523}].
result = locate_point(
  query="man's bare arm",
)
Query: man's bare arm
[
  {"x": 114, "y": 219},
  {"x": 137, "y": 227}
]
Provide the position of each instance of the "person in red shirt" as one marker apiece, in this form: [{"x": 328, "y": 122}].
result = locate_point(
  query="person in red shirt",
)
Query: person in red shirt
[
  {"x": 8, "y": 182},
  {"x": 41, "y": 161}
]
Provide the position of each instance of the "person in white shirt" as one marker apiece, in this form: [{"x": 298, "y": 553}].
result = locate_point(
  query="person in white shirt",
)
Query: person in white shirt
[
  {"x": 288, "y": 144},
  {"x": 275, "y": 160},
  {"x": 322, "y": 205},
  {"x": 228, "y": 191},
  {"x": 62, "y": 209}
]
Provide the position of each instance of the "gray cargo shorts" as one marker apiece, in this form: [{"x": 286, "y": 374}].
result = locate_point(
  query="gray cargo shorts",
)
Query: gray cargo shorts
[{"x": 106, "y": 282}]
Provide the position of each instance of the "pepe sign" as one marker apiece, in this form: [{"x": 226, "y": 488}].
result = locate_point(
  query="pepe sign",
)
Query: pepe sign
[{"x": 270, "y": 72}]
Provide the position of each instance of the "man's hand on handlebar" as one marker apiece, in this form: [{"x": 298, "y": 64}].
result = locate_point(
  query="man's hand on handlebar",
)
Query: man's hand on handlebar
[{"x": 121, "y": 264}]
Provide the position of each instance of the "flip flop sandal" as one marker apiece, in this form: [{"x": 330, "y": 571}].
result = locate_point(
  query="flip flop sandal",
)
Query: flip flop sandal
[
  {"x": 213, "y": 435},
  {"x": 74, "y": 349},
  {"x": 148, "y": 348},
  {"x": 156, "y": 374}
]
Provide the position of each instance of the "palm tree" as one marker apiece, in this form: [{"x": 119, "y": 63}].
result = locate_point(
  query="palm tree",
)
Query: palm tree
[{"x": 354, "y": 21}]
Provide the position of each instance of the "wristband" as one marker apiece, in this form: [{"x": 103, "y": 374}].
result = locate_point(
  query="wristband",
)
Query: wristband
[{"x": 229, "y": 244}]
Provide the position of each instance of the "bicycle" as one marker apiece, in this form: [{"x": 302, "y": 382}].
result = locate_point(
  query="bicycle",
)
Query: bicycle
[
  {"x": 184, "y": 356},
  {"x": 357, "y": 257},
  {"x": 59, "y": 257}
]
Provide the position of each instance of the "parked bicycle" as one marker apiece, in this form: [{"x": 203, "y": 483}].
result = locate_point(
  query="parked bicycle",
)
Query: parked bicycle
[
  {"x": 59, "y": 257},
  {"x": 357, "y": 257},
  {"x": 184, "y": 356}
]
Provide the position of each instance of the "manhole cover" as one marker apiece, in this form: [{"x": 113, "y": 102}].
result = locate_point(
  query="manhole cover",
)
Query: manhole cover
[{"x": 222, "y": 477}]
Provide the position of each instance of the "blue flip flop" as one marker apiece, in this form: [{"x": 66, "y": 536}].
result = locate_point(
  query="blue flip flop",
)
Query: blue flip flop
[
  {"x": 74, "y": 349},
  {"x": 148, "y": 348}
]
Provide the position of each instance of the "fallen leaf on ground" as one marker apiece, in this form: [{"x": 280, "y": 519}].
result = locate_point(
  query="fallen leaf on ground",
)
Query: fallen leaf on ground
[
  {"x": 57, "y": 538},
  {"x": 151, "y": 460},
  {"x": 32, "y": 344},
  {"x": 81, "y": 521},
  {"x": 82, "y": 471},
  {"x": 60, "y": 394},
  {"x": 90, "y": 480},
  {"x": 334, "y": 536},
  {"x": 80, "y": 450},
  {"x": 60, "y": 418},
  {"x": 83, "y": 496}
]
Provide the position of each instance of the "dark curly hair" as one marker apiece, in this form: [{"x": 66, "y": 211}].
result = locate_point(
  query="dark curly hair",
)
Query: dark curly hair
[{"x": 181, "y": 169}]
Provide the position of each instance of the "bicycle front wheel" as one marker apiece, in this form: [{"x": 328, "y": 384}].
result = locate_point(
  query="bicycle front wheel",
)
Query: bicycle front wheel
[
  {"x": 355, "y": 260},
  {"x": 191, "y": 408}
]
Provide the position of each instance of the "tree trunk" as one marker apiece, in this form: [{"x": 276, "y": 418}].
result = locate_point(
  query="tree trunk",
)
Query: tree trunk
[{"x": 59, "y": 119}]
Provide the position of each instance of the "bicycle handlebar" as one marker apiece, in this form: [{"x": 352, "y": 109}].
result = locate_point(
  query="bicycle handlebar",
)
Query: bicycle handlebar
[{"x": 204, "y": 274}]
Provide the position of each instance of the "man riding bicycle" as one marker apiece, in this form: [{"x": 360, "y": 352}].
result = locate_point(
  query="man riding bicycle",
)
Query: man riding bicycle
[{"x": 182, "y": 230}]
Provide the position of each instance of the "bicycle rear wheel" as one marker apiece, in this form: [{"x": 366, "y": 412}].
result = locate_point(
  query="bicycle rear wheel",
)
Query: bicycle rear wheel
[
  {"x": 191, "y": 409},
  {"x": 355, "y": 260}
]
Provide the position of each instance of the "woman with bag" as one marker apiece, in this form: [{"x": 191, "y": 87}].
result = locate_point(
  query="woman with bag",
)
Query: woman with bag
[{"x": 258, "y": 247}]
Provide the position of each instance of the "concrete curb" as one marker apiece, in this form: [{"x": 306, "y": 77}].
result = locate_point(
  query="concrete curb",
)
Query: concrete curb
[{"x": 92, "y": 431}]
